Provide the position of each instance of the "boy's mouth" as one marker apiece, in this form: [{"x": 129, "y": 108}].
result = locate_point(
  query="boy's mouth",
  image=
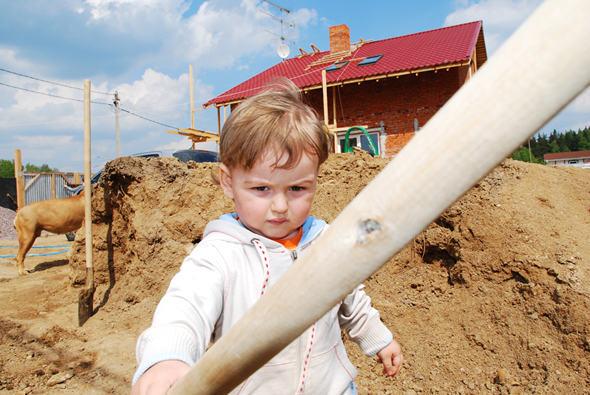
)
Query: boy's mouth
[{"x": 277, "y": 221}]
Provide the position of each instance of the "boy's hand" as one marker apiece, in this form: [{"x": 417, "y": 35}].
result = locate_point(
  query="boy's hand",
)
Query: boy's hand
[
  {"x": 158, "y": 379},
  {"x": 392, "y": 359}
]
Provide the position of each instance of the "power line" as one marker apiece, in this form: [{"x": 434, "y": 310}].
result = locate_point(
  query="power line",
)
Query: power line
[
  {"x": 147, "y": 119},
  {"x": 78, "y": 100},
  {"x": 49, "y": 94},
  {"x": 50, "y": 82}
]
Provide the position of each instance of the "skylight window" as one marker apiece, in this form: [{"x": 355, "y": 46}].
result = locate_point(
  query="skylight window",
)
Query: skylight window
[
  {"x": 370, "y": 60},
  {"x": 337, "y": 66}
]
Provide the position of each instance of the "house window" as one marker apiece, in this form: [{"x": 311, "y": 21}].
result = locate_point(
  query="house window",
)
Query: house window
[
  {"x": 572, "y": 162},
  {"x": 361, "y": 141},
  {"x": 370, "y": 60},
  {"x": 337, "y": 66}
]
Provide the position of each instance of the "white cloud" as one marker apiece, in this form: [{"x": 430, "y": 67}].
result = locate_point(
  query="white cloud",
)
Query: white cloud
[
  {"x": 217, "y": 35},
  {"x": 47, "y": 142},
  {"x": 500, "y": 17},
  {"x": 179, "y": 144},
  {"x": 161, "y": 98}
]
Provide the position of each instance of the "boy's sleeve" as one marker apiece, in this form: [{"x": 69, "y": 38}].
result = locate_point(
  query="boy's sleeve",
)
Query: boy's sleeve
[
  {"x": 362, "y": 323},
  {"x": 185, "y": 317}
]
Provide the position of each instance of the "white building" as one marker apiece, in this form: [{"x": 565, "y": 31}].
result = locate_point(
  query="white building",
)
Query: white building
[{"x": 576, "y": 158}]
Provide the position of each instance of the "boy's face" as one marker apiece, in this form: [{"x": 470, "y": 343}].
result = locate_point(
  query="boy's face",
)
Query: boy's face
[{"x": 272, "y": 202}]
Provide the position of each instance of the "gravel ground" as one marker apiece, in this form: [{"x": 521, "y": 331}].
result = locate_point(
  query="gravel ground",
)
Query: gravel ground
[{"x": 7, "y": 231}]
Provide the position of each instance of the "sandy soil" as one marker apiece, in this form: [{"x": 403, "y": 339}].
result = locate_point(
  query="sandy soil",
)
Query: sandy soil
[{"x": 491, "y": 298}]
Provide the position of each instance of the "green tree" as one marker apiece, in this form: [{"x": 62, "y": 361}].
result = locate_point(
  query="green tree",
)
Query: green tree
[
  {"x": 554, "y": 148},
  {"x": 6, "y": 168},
  {"x": 522, "y": 154},
  {"x": 542, "y": 146},
  {"x": 583, "y": 144},
  {"x": 570, "y": 141},
  {"x": 43, "y": 169}
]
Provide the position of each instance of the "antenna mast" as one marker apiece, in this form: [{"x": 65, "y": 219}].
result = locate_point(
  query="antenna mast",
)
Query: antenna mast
[{"x": 280, "y": 20}]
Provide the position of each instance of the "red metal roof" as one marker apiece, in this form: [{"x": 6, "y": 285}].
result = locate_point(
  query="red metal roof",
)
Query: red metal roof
[
  {"x": 449, "y": 45},
  {"x": 567, "y": 155}
]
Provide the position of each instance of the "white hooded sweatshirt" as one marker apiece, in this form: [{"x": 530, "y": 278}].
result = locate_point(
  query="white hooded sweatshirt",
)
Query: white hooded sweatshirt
[{"x": 221, "y": 279}]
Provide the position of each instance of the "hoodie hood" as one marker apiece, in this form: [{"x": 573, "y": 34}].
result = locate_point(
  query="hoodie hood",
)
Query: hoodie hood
[{"x": 227, "y": 226}]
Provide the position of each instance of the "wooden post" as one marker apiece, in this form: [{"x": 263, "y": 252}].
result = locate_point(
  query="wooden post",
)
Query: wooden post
[
  {"x": 53, "y": 185},
  {"x": 325, "y": 95},
  {"x": 20, "y": 179},
  {"x": 192, "y": 100},
  {"x": 334, "y": 105},
  {"x": 118, "y": 137},
  {"x": 219, "y": 120},
  {"x": 88, "y": 187}
]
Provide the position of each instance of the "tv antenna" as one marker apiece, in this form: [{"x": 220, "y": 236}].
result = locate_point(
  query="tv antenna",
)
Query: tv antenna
[{"x": 283, "y": 49}]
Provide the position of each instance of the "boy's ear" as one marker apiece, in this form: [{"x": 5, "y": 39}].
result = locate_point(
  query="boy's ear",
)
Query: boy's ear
[{"x": 225, "y": 181}]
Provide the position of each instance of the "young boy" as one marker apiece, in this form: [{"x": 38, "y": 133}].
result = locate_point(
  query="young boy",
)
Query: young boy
[{"x": 271, "y": 150}]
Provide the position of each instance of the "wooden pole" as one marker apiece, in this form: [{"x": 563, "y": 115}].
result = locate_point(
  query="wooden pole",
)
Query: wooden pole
[
  {"x": 20, "y": 179},
  {"x": 53, "y": 185},
  {"x": 190, "y": 68},
  {"x": 118, "y": 136},
  {"x": 480, "y": 125},
  {"x": 334, "y": 105},
  {"x": 219, "y": 120},
  {"x": 88, "y": 186},
  {"x": 86, "y": 297},
  {"x": 325, "y": 96}
]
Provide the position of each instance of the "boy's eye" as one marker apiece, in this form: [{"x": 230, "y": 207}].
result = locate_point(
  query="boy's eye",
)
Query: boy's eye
[
  {"x": 297, "y": 189},
  {"x": 261, "y": 189}
]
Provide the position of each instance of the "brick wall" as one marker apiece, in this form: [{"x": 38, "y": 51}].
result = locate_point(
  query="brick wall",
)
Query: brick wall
[{"x": 395, "y": 101}]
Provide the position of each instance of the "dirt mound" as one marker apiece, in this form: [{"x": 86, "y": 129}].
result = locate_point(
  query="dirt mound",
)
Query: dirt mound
[{"x": 492, "y": 296}]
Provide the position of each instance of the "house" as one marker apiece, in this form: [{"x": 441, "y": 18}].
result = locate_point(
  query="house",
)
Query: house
[
  {"x": 391, "y": 87},
  {"x": 576, "y": 158}
]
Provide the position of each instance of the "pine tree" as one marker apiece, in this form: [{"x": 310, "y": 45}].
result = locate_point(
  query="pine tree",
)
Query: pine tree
[{"x": 583, "y": 144}]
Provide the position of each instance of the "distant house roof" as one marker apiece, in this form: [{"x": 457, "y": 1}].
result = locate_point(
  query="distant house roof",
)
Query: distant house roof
[
  {"x": 567, "y": 155},
  {"x": 447, "y": 47}
]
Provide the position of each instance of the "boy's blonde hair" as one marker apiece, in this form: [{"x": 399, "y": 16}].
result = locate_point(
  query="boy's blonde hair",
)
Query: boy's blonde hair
[{"x": 276, "y": 121}]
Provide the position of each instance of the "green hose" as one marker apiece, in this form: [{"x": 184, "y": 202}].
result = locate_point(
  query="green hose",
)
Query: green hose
[{"x": 348, "y": 148}]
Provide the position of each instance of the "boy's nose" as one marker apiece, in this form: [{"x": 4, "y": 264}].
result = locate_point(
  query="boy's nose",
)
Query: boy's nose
[{"x": 279, "y": 204}]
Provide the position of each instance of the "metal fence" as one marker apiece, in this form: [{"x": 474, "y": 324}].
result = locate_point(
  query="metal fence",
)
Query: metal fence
[{"x": 45, "y": 186}]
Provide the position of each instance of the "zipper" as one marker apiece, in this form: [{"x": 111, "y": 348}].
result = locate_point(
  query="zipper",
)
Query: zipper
[{"x": 293, "y": 255}]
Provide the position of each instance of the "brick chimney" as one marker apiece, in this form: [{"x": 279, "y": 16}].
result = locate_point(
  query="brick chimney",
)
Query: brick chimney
[{"x": 339, "y": 38}]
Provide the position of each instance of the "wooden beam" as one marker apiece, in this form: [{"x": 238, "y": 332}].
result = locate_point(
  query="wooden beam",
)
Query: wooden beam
[
  {"x": 325, "y": 96},
  {"x": 334, "y": 105},
  {"x": 31, "y": 182},
  {"x": 344, "y": 128},
  {"x": 218, "y": 121},
  {"x": 53, "y": 185},
  {"x": 194, "y": 133},
  {"x": 20, "y": 180},
  {"x": 192, "y": 98}
]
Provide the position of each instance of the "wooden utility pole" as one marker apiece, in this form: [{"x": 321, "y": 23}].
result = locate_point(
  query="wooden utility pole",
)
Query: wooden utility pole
[
  {"x": 116, "y": 103},
  {"x": 86, "y": 297},
  {"x": 192, "y": 99},
  {"x": 20, "y": 180}
]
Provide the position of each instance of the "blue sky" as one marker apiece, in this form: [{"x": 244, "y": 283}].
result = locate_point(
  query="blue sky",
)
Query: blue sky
[{"x": 143, "y": 49}]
